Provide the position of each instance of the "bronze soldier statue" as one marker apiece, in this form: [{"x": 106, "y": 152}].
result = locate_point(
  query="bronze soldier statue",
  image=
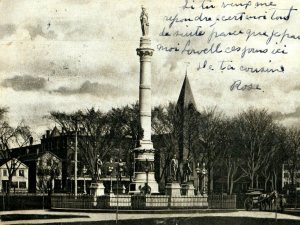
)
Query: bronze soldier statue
[
  {"x": 174, "y": 168},
  {"x": 98, "y": 167},
  {"x": 187, "y": 171}
]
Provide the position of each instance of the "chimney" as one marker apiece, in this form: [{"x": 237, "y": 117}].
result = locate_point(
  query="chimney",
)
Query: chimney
[
  {"x": 30, "y": 140},
  {"x": 47, "y": 133}
]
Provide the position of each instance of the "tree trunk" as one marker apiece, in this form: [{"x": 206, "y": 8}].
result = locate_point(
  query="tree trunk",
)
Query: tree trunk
[
  {"x": 256, "y": 182},
  {"x": 252, "y": 180},
  {"x": 164, "y": 173},
  {"x": 228, "y": 179},
  {"x": 275, "y": 182},
  {"x": 231, "y": 185},
  {"x": 272, "y": 183},
  {"x": 9, "y": 182},
  {"x": 266, "y": 183},
  {"x": 211, "y": 184},
  {"x": 228, "y": 184}
]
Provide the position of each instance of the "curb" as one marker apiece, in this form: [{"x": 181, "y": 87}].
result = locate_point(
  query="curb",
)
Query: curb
[{"x": 154, "y": 211}]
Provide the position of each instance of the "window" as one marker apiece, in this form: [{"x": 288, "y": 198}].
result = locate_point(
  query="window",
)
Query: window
[
  {"x": 22, "y": 184},
  {"x": 14, "y": 184},
  {"x": 21, "y": 173},
  {"x": 5, "y": 172}
]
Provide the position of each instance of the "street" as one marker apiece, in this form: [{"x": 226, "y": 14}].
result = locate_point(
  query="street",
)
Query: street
[{"x": 230, "y": 217}]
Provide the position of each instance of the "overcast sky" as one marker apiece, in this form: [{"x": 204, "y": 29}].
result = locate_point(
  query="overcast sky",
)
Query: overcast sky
[{"x": 74, "y": 54}]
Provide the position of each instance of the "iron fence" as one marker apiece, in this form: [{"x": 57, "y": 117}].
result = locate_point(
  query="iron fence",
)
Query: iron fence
[
  {"x": 150, "y": 201},
  {"x": 188, "y": 202},
  {"x": 113, "y": 201},
  {"x": 222, "y": 201},
  {"x": 70, "y": 202},
  {"x": 139, "y": 202}
]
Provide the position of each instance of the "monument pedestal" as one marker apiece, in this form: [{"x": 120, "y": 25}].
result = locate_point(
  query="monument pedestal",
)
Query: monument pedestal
[
  {"x": 188, "y": 189},
  {"x": 173, "y": 189},
  {"x": 97, "y": 189}
]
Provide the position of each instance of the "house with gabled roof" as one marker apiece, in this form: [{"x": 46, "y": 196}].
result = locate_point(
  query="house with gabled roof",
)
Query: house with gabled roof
[{"x": 19, "y": 172}]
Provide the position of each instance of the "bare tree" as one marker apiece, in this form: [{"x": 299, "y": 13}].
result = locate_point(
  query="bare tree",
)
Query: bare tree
[
  {"x": 256, "y": 141},
  {"x": 12, "y": 137},
  {"x": 271, "y": 170},
  {"x": 231, "y": 154},
  {"x": 210, "y": 135}
]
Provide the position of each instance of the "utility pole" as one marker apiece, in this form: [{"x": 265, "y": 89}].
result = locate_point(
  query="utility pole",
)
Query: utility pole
[
  {"x": 84, "y": 170},
  {"x": 75, "y": 164}
]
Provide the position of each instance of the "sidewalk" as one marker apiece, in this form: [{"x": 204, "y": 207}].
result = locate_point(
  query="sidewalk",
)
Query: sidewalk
[{"x": 112, "y": 216}]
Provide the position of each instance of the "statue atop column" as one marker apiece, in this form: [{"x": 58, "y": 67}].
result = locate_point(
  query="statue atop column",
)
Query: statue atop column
[{"x": 144, "y": 22}]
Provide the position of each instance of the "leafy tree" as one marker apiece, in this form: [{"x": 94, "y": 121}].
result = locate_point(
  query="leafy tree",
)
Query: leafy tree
[
  {"x": 48, "y": 169},
  {"x": 125, "y": 132},
  {"x": 189, "y": 128},
  {"x": 93, "y": 129},
  {"x": 176, "y": 130},
  {"x": 166, "y": 131},
  {"x": 109, "y": 135}
]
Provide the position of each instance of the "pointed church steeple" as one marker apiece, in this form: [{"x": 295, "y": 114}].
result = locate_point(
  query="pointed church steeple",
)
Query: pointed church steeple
[
  {"x": 186, "y": 95},
  {"x": 55, "y": 132}
]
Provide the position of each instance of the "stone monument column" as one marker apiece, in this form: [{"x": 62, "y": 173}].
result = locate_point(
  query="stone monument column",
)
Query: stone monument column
[
  {"x": 145, "y": 52},
  {"x": 144, "y": 154}
]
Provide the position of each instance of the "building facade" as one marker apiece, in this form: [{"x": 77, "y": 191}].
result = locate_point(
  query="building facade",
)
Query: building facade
[
  {"x": 19, "y": 176},
  {"x": 286, "y": 177}
]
